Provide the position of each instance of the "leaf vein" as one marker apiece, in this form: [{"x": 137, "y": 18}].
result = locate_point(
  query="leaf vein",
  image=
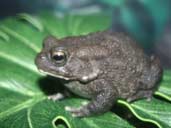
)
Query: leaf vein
[
  {"x": 28, "y": 118},
  {"x": 18, "y": 62},
  {"x": 19, "y": 107},
  {"x": 21, "y": 38}
]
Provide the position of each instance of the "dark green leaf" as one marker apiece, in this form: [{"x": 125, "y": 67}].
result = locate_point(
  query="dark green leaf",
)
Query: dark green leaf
[{"x": 23, "y": 104}]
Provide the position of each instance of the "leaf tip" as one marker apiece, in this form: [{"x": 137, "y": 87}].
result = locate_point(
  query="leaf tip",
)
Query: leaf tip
[
  {"x": 32, "y": 20},
  {"x": 4, "y": 36}
]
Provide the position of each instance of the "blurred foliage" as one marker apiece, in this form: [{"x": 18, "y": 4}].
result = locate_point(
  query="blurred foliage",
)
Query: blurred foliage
[
  {"x": 144, "y": 19},
  {"x": 23, "y": 98}
]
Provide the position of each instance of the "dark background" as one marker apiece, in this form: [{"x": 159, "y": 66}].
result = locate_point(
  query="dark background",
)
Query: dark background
[{"x": 148, "y": 21}]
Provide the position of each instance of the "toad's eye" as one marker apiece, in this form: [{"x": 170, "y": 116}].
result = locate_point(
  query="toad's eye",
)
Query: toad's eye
[{"x": 59, "y": 57}]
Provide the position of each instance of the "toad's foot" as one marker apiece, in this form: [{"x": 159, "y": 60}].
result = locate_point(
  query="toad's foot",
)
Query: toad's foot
[
  {"x": 56, "y": 97},
  {"x": 78, "y": 112}
]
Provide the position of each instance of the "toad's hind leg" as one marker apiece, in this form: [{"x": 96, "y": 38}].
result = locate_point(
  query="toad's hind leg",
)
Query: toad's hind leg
[
  {"x": 140, "y": 95},
  {"x": 148, "y": 83},
  {"x": 152, "y": 76},
  {"x": 101, "y": 103}
]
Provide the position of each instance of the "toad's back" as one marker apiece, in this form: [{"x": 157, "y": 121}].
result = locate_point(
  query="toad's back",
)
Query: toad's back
[
  {"x": 130, "y": 69},
  {"x": 123, "y": 62}
]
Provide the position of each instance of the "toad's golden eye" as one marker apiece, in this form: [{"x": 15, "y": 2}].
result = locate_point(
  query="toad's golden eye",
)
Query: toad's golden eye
[{"x": 59, "y": 57}]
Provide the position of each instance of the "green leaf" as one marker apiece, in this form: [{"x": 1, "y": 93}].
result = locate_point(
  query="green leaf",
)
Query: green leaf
[
  {"x": 33, "y": 20},
  {"x": 4, "y": 36},
  {"x": 165, "y": 86},
  {"x": 155, "y": 111},
  {"x": 24, "y": 104},
  {"x": 22, "y": 101}
]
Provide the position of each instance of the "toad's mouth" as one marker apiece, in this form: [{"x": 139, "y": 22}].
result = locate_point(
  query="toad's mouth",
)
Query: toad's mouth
[{"x": 57, "y": 76}]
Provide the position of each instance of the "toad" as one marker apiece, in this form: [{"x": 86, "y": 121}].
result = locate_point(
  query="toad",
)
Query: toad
[{"x": 102, "y": 66}]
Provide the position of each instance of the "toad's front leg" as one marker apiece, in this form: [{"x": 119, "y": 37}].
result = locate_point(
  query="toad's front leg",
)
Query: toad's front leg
[{"x": 101, "y": 103}]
